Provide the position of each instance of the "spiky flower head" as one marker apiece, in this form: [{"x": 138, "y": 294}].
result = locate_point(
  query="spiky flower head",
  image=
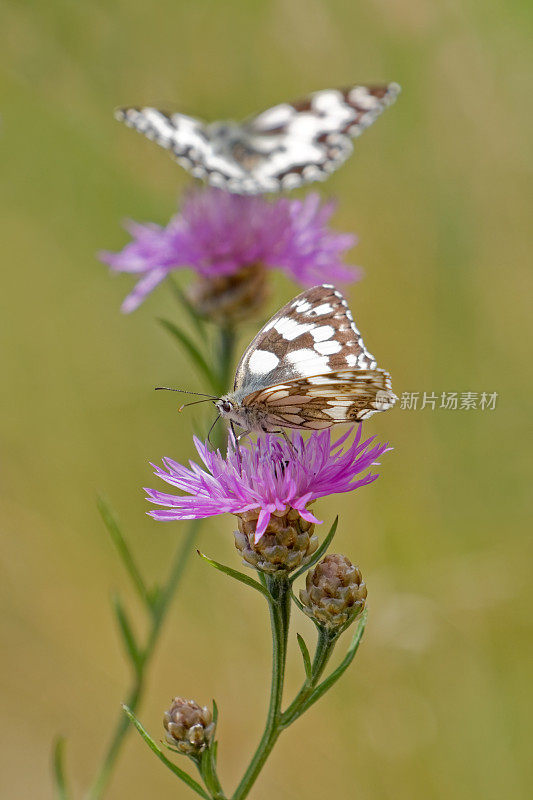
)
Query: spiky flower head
[
  {"x": 334, "y": 593},
  {"x": 188, "y": 727},
  {"x": 221, "y": 235},
  {"x": 269, "y": 476}
]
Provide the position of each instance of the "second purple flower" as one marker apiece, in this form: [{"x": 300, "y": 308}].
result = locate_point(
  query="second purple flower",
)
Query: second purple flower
[{"x": 230, "y": 240}]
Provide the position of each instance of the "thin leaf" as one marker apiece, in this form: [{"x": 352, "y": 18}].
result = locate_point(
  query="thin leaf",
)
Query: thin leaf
[
  {"x": 128, "y": 636},
  {"x": 239, "y": 576},
  {"x": 207, "y": 770},
  {"x": 305, "y": 655},
  {"x": 59, "y": 769},
  {"x": 356, "y": 612},
  {"x": 319, "y": 553},
  {"x": 326, "y": 684},
  {"x": 215, "y": 714},
  {"x": 189, "y": 346},
  {"x": 123, "y": 550},
  {"x": 297, "y": 601},
  {"x": 185, "y": 777},
  {"x": 183, "y": 300}
]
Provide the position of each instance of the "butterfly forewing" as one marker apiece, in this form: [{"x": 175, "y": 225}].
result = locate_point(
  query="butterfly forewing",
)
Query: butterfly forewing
[
  {"x": 286, "y": 146},
  {"x": 312, "y": 335},
  {"x": 194, "y": 145}
]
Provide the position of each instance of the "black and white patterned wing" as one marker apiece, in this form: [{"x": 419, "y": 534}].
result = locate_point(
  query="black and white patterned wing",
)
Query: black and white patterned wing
[
  {"x": 312, "y": 335},
  {"x": 308, "y": 366},
  {"x": 310, "y": 138},
  {"x": 286, "y": 146},
  {"x": 321, "y": 401},
  {"x": 203, "y": 150}
]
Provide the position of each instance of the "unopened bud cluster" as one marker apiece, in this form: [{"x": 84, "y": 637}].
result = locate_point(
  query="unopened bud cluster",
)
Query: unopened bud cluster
[
  {"x": 189, "y": 727},
  {"x": 288, "y": 542},
  {"x": 230, "y": 298},
  {"x": 334, "y": 592}
]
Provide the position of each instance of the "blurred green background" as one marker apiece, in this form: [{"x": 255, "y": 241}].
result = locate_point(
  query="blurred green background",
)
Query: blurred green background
[{"x": 437, "y": 703}]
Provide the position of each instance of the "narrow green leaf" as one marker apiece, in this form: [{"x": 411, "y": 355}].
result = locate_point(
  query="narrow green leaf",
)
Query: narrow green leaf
[
  {"x": 239, "y": 576},
  {"x": 59, "y": 769},
  {"x": 128, "y": 636},
  {"x": 206, "y": 769},
  {"x": 215, "y": 713},
  {"x": 190, "y": 347},
  {"x": 123, "y": 550},
  {"x": 320, "y": 552},
  {"x": 185, "y": 777},
  {"x": 224, "y": 349},
  {"x": 305, "y": 655},
  {"x": 297, "y": 601},
  {"x": 183, "y": 300},
  {"x": 356, "y": 612},
  {"x": 262, "y": 579},
  {"x": 326, "y": 684}
]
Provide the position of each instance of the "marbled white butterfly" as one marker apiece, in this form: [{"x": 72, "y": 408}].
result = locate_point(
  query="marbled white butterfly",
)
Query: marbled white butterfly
[
  {"x": 286, "y": 146},
  {"x": 307, "y": 368}
]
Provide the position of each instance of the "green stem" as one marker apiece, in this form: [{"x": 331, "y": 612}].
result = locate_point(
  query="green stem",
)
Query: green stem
[
  {"x": 224, "y": 353},
  {"x": 134, "y": 697},
  {"x": 324, "y": 648},
  {"x": 226, "y": 347},
  {"x": 279, "y": 588},
  {"x": 208, "y": 770}
]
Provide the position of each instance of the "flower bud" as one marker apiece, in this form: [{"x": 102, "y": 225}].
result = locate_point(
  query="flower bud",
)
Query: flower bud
[
  {"x": 189, "y": 727},
  {"x": 334, "y": 592},
  {"x": 230, "y": 298},
  {"x": 288, "y": 542}
]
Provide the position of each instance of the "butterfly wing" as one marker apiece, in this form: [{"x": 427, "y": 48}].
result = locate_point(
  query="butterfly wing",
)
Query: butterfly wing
[
  {"x": 310, "y": 138},
  {"x": 286, "y": 146},
  {"x": 321, "y": 401},
  {"x": 199, "y": 148},
  {"x": 311, "y": 351}
]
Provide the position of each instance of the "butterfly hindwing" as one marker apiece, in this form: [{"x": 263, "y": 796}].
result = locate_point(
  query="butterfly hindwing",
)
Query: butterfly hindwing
[
  {"x": 325, "y": 400},
  {"x": 286, "y": 146}
]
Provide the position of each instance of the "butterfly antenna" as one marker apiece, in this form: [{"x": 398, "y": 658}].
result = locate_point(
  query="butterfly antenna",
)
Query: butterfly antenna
[
  {"x": 187, "y": 391},
  {"x": 195, "y": 403}
]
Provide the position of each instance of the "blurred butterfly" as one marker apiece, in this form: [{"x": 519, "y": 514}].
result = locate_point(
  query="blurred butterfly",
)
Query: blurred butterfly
[
  {"x": 307, "y": 368},
  {"x": 288, "y": 145}
]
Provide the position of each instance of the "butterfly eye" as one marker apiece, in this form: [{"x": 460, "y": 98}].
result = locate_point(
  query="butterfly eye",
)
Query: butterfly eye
[{"x": 225, "y": 406}]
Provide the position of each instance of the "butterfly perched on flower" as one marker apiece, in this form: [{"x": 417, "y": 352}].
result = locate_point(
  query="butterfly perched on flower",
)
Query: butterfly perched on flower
[
  {"x": 307, "y": 368},
  {"x": 286, "y": 146}
]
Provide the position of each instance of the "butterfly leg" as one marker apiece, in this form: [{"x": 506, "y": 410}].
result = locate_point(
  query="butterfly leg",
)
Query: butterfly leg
[
  {"x": 236, "y": 443},
  {"x": 288, "y": 440},
  {"x": 211, "y": 429}
]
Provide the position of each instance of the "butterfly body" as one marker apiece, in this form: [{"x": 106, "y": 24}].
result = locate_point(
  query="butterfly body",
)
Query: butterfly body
[
  {"x": 286, "y": 146},
  {"x": 307, "y": 368}
]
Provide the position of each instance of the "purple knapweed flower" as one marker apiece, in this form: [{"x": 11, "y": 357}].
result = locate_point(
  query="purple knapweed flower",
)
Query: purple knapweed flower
[
  {"x": 219, "y": 234},
  {"x": 270, "y": 475}
]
